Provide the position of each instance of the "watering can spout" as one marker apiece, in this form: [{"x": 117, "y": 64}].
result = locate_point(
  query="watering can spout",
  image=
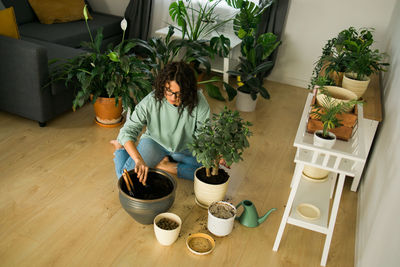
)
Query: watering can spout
[
  {"x": 263, "y": 218},
  {"x": 249, "y": 216}
]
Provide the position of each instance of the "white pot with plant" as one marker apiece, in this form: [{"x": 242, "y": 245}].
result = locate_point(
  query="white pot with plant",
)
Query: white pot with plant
[
  {"x": 223, "y": 137},
  {"x": 221, "y": 217},
  {"x": 326, "y": 111}
]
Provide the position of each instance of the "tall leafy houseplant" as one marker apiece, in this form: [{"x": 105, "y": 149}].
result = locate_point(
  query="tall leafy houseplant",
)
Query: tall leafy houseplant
[
  {"x": 255, "y": 49},
  {"x": 224, "y": 136},
  {"x": 350, "y": 51},
  {"x": 116, "y": 73}
]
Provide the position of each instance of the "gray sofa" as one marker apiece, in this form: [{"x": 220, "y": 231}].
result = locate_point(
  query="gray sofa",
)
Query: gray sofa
[{"x": 24, "y": 66}]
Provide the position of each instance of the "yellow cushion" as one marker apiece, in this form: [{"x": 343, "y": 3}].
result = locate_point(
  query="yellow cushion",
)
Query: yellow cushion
[
  {"x": 58, "y": 11},
  {"x": 8, "y": 24}
]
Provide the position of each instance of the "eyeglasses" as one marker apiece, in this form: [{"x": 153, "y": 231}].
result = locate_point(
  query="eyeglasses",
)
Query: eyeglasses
[{"x": 170, "y": 93}]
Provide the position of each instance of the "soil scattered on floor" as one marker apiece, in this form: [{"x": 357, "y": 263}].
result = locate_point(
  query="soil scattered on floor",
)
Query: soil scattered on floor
[
  {"x": 167, "y": 224},
  {"x": 222, "y": 211}
]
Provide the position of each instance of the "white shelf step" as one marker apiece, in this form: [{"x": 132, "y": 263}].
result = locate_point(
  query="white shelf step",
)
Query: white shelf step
[
  {"x": 345, "y": 165},
  {"x": 317, "y": 194}
]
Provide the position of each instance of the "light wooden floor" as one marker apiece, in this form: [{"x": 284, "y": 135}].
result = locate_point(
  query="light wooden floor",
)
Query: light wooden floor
[{"x": 59, "y": 200}]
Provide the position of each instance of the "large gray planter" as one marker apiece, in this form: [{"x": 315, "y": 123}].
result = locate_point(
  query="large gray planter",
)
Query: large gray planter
[{"x": 142, "y": 210}]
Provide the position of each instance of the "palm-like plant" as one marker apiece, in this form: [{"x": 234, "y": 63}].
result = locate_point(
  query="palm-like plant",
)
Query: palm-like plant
[{"x": 328, "y": 110}]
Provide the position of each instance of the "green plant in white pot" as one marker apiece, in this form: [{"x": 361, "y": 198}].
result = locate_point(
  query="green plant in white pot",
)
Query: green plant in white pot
[
  {"x": 223, "y": 137},
  {"x": 255, "y": 49}
]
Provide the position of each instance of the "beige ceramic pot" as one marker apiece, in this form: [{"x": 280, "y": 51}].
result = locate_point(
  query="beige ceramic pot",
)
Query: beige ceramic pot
[
  {"x": 356, "y": 86},
  {"x": 338, "y": 94},
  {"x": 206, "y": 194},
  {"x": 106, "y": 111}
]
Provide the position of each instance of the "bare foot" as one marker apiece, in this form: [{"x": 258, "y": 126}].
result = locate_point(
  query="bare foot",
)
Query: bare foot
[
  {"x": 168, "y": 166},
  {"x": 116, "y": 144}
]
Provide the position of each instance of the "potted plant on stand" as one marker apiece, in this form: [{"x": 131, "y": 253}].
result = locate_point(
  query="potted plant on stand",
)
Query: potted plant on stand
[
  {"x": 327, "y": 112},
  {"x": 114, "y": 78},
  {"x": 363, "y": 61},
  {"x": 224, "y": 136},
  {"x": 255, "y": 51}
]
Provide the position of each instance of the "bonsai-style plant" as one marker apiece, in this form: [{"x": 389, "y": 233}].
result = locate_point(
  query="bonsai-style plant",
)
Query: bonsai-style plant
[
  {"x": 224, "y": 136},
  {"x": 115, "y": 73},
  {"x": 255, "y": 48}
]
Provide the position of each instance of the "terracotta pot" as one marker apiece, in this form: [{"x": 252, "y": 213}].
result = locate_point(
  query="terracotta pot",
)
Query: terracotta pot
[
  {"x": 337, "y": 77},
  {"x": 206, "y": 194},
  {"x": 356, "y": 86},
  {"x": 106, "y": 111}
]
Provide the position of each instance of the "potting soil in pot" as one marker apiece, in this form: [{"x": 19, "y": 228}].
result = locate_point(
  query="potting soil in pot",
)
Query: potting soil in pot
[
  {"x": 157, "y": 186},
  {"x": 167, "y": 224},
  {"x": 222, "y": 211},
  {"x": 221, "y": 178}
]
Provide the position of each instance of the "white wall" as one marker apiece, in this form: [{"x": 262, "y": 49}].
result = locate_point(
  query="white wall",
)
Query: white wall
[
  {"x": 378, "y": 221},
  {"x": 311, "y": 23}
]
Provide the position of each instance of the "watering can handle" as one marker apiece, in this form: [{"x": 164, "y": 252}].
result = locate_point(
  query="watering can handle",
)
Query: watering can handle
[{"x": 238, "y": 205}]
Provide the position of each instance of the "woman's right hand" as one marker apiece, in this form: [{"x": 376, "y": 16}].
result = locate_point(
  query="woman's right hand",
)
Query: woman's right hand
[{"x": 141, "y": 170}]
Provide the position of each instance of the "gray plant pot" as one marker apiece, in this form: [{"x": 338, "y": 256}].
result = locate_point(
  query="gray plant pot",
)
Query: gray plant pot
[{"x": 142, "y": 210}]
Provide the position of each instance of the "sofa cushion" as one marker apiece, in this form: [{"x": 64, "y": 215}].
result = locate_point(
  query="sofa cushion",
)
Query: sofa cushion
[
  {"x": 8, "y": 25},
  {"x": 72, "y": 33},
  {"x": 50, "y": 11},
  {"x": 23, "y": 11}
]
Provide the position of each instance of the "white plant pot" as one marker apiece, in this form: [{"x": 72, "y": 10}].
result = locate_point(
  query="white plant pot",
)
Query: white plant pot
[
  {"x": 322, "y": 142},
  {"x": 318, "y": 173},
  {"x": 356, "y": 86},
  {"x": 167, "y": 237},
  {"x": 245, "y": 103},
  {"x": 220, "y": 226},
  {"x": 208, "y": 193}
]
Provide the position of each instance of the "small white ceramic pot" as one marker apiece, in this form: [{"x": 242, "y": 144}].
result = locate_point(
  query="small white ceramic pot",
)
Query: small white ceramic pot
[
  {"x": 322, "y": 142},
  {"x": 220, "y": 226},
  {"x": 245, "y": 103},
  {"x": 167, "y": 237}
]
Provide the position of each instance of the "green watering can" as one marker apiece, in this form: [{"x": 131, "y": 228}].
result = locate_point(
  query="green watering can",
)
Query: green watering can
[{"x": 249, "y": 216}]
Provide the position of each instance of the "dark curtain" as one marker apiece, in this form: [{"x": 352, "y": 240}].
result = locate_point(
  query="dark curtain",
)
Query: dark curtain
[
  {"x": 138, "y": 14},
  {"x": 273, "y": 20}
]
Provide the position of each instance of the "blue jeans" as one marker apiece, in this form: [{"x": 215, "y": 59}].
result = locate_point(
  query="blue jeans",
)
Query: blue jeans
[{"x": 152, "y": 153}]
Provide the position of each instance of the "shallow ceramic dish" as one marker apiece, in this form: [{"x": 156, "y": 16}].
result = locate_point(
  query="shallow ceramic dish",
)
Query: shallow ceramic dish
[
  {"x": 200, "y": 244},
  {"x": 308, "y": 211},
  {"x": 338, "y": 94}
]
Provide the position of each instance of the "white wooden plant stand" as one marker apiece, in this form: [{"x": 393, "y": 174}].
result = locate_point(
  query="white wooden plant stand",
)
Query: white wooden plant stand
[{"x": 344, "y": 159}]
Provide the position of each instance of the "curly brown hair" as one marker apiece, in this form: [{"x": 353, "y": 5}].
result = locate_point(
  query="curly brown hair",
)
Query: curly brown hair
[{"x": 183, "y": 74}]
